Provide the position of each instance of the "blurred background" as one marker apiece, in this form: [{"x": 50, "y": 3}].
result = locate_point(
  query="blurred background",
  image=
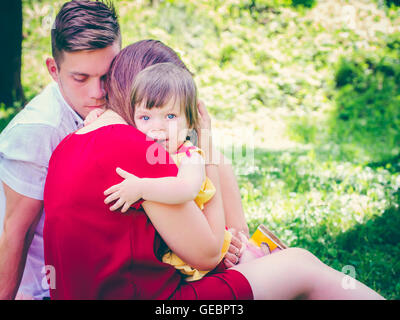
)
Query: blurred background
[{"x": 310, "y": 88}]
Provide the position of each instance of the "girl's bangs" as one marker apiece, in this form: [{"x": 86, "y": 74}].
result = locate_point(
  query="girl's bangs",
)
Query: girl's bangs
[{"x": 158, "y": 94}]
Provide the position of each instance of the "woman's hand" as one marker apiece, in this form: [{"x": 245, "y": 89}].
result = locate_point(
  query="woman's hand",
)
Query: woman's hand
[
  {"x": 204, "y": 117},
  {"x": 126, "y": 193},
  {"x": 204, "y": 133},
  {"x": 241, "y": 250},
  {"x": 93, "y": 115},
  {"x": 236, "y": 248}
]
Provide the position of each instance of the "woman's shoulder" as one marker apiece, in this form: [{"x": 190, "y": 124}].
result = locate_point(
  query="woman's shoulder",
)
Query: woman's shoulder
[
  {"x": 113, "y": 140},
  {"x": 122, "y": 131},
  {"x": 125, "y": 146},
  {"x": 116, "y": 135}
]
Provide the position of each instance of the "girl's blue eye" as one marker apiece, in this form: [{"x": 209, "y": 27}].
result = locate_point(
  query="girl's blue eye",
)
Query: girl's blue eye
[
  {"x": 145, "y": 118},
  {"x": 171, "y": 116}
]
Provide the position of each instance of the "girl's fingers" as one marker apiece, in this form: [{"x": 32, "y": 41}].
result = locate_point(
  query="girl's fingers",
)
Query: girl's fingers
[
  {"x": 111, "y": 198},
  {"x": 125, "y": 207},
  {"x": 112, "y": 189},
  {"x": 117, "y": 205},
  {"x": 123, "y": 173}
]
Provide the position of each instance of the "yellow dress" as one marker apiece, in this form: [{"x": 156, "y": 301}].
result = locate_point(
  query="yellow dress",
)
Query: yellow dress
[{"x": 206, "y": 192}]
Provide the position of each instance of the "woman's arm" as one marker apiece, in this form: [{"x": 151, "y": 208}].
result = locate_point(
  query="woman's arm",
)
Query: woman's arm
[
  {"x": 234, "y": 214},
  {"x": 231, "y": 198},
  {"x": 232, "y": 202},
  {"x": 195, "y": 236},
  {"x": 169, "y": 190}
]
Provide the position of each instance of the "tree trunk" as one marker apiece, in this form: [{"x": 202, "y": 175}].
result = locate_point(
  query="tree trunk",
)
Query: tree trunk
[{"x": 11, "y": 52}]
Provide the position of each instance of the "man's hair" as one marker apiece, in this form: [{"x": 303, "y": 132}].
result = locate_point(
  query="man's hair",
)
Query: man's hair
[
  {"x": 124, "y": 69},
  {"x": 155, "y": 86},
  {"x": 84, "y": 25}
]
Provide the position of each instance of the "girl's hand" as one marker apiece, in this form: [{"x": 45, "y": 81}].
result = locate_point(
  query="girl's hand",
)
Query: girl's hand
[
  {"x": 126, "y": 193},
  {"x": 93, "y": 115}
]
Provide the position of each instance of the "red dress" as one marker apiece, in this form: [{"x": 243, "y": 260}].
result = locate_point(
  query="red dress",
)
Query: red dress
[{"x": 99, "y": 254}]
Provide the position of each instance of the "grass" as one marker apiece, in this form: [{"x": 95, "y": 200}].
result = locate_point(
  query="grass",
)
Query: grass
[
  {"x": 345, "y": 213},
  {"x": 325, "y": 174}
]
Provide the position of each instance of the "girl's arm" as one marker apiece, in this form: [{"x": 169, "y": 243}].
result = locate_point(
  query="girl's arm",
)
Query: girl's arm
[
  {"x": 195, "y": 236},
  {"x": 169, "y": 190},
  {"x": 174, "y": 190}
]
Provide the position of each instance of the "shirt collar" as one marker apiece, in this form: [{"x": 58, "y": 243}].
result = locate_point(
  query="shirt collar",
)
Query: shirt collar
[{"x": 77, "y": 119}]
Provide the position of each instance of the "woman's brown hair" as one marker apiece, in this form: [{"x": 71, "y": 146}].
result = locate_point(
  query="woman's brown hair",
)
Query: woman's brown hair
[{"x": 124, "y": 69}]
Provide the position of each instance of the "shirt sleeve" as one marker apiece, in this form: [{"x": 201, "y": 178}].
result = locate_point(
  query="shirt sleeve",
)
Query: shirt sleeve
[{"x": 25, "y": 150}]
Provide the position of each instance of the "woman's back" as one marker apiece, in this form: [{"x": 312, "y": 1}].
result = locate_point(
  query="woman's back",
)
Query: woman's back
[{"x": 90, "y": 247}]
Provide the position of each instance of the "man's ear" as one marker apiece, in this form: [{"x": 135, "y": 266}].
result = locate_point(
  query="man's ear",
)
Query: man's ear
[{"x": 52, "y": 68}]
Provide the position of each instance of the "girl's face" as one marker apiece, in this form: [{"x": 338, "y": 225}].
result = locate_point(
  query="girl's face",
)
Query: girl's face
[{"x": 167, "y": 125}]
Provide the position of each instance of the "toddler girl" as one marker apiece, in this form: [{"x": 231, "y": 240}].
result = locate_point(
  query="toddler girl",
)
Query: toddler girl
[{"x": 164, "y": 100}]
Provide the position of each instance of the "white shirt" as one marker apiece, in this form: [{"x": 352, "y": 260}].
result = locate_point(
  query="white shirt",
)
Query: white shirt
[{"x": 26, "y": 145}]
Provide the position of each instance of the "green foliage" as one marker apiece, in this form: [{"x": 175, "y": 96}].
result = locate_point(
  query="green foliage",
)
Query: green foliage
[
  {"x": 304, "y": 3},
  {"x": 333, "y": 209},
  {"x": 324, "y": 74},
  {"x": 7, "y": 113},
  {"x": 392, "y": 2},
  {"x": 368, "y": 100},
  {"x": 260, "y": 5}
]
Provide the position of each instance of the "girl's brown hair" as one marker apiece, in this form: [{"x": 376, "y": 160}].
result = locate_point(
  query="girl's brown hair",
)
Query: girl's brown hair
[
  {"x": 156, "y": 85},
  {"x": 124, "y": 69}
]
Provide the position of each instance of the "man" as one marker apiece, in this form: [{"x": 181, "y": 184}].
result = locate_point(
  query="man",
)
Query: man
[{"x": 85, "y": 39}]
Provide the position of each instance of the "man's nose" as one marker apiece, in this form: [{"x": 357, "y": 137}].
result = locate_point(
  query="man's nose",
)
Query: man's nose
[{"x": 97, "y": 89}]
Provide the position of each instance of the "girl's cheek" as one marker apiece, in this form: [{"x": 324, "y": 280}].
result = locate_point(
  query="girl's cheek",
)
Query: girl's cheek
[{"x": 141, "y": 126}]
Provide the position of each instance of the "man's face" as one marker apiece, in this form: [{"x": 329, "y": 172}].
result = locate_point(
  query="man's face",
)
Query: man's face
[{"x": 80, "y": 76}]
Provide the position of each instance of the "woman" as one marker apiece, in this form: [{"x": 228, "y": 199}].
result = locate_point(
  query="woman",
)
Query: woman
[{"x": 99, "y": 255}]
